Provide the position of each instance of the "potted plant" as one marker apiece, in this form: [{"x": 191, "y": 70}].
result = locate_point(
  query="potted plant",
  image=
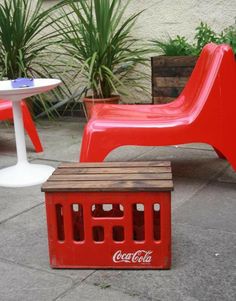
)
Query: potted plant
[
  {"x": 96, "y": 38},
  {"x": 172, "y": 69},
  {"x": 24, "y": 50}
]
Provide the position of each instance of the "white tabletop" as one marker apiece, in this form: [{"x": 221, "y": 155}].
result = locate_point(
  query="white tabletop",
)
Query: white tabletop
[{"x": 40, "y": 85}]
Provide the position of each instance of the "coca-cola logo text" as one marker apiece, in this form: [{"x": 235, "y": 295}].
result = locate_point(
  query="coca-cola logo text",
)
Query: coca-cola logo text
[{"x": 139, "y": 256}]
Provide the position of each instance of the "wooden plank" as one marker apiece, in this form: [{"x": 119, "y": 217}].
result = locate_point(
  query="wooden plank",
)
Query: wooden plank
[
  {"x": 108, "y": 177},
  {"x": 116, "y": 164},
  {"x": 162, "y": 99},
  {"x": 159, "y": 71},
  {"x": 111, "y": 176},
  {"x": 112, "y": 186},
  {"x": 177, "y": 61},
  {"x": 170, "y": 72},
  {"x": 170, "y": 81},
  {"x": 167, "y": 91},
  {"x": 117, "y": 170}
]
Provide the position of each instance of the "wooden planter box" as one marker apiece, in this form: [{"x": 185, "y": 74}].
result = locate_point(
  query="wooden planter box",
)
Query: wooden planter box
[{"x": 169, "y": 76}]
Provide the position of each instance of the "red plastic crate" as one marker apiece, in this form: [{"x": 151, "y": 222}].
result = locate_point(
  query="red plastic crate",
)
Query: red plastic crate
[{"x": 122, "y": 220}]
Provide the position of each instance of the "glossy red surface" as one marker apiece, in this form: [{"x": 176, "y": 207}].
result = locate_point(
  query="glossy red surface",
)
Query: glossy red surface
[
  {"x": 7, "y": 114},
  {"x": 204, "y": 112},
  {"x": 73, "y": 243}
]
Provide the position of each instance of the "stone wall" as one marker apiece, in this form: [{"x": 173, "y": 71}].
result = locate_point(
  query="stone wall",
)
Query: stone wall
[{"x": 162, "y": 17}]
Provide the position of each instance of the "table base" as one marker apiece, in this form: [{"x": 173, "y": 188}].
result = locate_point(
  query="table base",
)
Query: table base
[{"x": 25, "y": 174}]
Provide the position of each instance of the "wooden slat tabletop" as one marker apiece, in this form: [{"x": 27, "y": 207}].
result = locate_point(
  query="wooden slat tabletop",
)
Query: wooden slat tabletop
[{"x": 111, "y": 176}]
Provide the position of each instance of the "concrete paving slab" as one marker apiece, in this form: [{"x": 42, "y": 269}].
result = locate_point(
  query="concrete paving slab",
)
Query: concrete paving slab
[
  {"x": 61, "y": 140},
  {"x": 23, "y": 240},
  {"x": 184, "y": 189},
  {"x": 193, "y": 163},
  {"x": 7, "y": 147},
  {"x": 7, "y": 140},
  {"x": 18, "y": 283},
  {"x": 13, "y": 201},
  {"x": 60, "y": 150},
  {"x": 203, "y": 269},
  {"x": 67, "y": 127},
  {"x": 55, "y": 137},
  {"x": 229, "y": 176},
  {"x": 7, "y": 160},
  {"x": 128, "y": 153},
  {"x": 203, "y": 226},
  {"x": 199, "y": 146},
  {"x": 7, "y": 130},
  {"x": 213, "y": 207},
  {"x": 98, "y": 292}
]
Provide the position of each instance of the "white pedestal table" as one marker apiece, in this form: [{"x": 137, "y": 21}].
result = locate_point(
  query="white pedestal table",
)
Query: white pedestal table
[{"x": 24, "y": 173}]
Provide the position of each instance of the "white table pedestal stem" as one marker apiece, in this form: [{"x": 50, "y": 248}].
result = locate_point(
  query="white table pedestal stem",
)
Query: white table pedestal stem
[{"x": 19, "y": 133}]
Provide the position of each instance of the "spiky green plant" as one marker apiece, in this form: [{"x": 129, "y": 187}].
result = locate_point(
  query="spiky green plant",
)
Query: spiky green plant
[
  {"x": 26, "y": 35},
  {"x": 174, "y": 46},
  {"x": 98, "y": 38}
]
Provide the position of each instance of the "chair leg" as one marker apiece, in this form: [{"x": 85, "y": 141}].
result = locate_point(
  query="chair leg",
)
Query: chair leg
[
  {"x": 90, "y": 152},
  {"x": 31, "y": 129}
]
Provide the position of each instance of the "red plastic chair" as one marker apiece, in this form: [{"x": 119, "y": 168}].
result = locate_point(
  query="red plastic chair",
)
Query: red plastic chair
[
  {"x": 204, "y": 112},
  {"x": 6, "y": 113}
]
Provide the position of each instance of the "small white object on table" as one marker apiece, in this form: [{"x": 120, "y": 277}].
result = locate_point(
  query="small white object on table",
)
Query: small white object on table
[{"x": 24, "y": 173}]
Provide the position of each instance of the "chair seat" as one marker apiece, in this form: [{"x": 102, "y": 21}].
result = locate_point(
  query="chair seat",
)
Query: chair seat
[{"x": 138, "y": 120}]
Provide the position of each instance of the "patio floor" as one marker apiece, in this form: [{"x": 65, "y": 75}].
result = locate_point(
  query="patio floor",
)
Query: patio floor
[{"x": 203, "y": 228}]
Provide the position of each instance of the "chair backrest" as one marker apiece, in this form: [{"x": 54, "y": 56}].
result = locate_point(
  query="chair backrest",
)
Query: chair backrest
[{"x": 196, "y": 92}]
